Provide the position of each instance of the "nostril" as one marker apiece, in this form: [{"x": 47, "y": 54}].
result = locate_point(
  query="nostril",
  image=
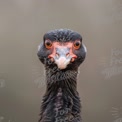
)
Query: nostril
[
  {"x": 67, "y": 55},
  {"x": 57, "y": 55}
]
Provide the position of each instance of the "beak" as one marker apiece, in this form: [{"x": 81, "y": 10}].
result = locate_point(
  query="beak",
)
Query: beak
[{"x": 62, "y": 57}]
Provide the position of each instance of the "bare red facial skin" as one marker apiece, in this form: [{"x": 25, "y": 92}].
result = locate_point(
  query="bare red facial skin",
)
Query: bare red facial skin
[
  {"x": 62, "y": 45},
  {"x": 62, "y": 52}
]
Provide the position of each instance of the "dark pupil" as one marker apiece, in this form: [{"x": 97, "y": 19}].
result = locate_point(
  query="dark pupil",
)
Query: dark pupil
[
  {"x": 48, "y": 43},
  {"x": 77, "y": 43}
]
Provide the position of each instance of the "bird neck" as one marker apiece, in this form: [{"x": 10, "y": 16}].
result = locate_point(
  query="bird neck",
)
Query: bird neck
[
  {"x": 61, "y": 95},
  {"x": 64, "y": 79}
]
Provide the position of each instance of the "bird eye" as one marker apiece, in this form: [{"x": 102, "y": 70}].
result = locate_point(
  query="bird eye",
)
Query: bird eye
[
  {"x": 48, "y": 44},
  {"x": 77, "y": 44}
]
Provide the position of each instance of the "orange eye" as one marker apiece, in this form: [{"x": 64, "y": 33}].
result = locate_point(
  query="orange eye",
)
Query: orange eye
[
  {"x": 77, "y": 44},
  {"x": 48, "y": 44}
]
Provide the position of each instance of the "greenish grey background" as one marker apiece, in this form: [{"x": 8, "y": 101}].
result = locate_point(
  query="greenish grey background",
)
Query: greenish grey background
[{"x": 22, "y": 26}]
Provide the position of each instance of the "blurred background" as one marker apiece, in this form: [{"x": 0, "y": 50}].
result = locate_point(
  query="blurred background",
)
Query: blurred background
[{"x": 22, "y": 26}]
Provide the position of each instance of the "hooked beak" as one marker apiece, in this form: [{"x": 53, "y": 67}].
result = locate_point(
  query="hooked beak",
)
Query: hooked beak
[{"x": 62, "y": 56}]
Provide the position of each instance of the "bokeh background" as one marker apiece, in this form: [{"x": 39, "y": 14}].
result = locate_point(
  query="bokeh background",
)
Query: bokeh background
[{"x": 22, "y": 26}]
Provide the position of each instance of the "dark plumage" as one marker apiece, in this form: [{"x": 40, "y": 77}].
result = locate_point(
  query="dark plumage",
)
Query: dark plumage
[
  {"x": 61, "y": 102},
  {"x": 62, "y": 35}
]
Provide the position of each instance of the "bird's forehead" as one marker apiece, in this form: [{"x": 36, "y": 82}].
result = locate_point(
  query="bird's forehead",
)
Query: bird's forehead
[{"x": 62, "y": 44}]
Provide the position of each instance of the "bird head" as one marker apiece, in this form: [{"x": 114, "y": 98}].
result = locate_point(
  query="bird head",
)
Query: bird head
[{"x": 62, "y": 48}]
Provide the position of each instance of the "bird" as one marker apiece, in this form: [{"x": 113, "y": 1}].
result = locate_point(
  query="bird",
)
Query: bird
[{"x": 61, "y": 52}]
